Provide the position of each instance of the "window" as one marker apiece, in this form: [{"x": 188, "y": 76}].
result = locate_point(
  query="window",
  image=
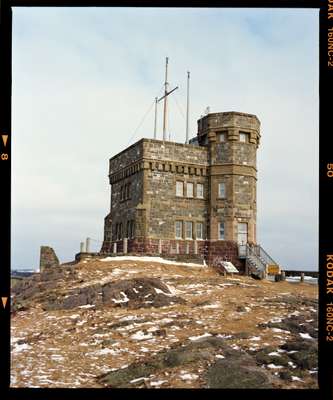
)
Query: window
[
  {"x": 221, "y": 231},
  {"x": 188, "y": 230},
  {"x": 189, "y": 189},
  {"x": 199, "y": 230},
  {"x": 244, "y": 137},
  {"x": 179, "y": 229},
  {"x": 221, "y": 190},
  {"x": 179, "y": 188},
  {"x": 222, "y": 136},
  {"x": 119, "y": 231},
  {"x": 200, "y": 190},
  {"x": 131, "y": 229}
]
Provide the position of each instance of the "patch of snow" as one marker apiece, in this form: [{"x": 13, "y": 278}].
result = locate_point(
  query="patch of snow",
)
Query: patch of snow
[
  {"x": 104, "y": 352},
  {"x": 194, "y": 338},
  {"x": 189, "y": 377},
  {"x": 100, "y": 335},
  {"x": 274, "y": 353},
  {"x": 296, "y": 313},
  {"x": 74, "y": 316},
  {"x": 219, "y": 356},
  {"x": 278, "y": 330},
  {"x": 151, "y": 259},
  {"x": 141, "y": 336},
  {"x": 273, "y": 366},
  {"x": 193, "y": 285},
  {"x": 128, "y": 318},
  {"x": 87, "y": 306},
  {"x": 224, "y": 336},
  {"x": 165, "y": 321},
  {"x": 296, "y": 378},
  {"x": 305, "y": 336},
  {"x": 138, "y": 379},
  {"x": 255, "y": 338},
  {"x": 21, "y": 347},
  {"x": 125, "y": 299},
  {"x": 157, "y": 383},
  {"x": 275, "y": 320},
  {"x": 159, "y": 291},
  {"x": 212, "y": 306}
]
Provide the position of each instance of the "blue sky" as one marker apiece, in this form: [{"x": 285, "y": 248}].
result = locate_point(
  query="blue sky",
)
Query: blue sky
[{"x": 84, "y": 78}]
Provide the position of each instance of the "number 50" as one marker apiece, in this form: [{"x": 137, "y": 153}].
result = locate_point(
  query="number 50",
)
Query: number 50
[{"x": 330, "y": 170}]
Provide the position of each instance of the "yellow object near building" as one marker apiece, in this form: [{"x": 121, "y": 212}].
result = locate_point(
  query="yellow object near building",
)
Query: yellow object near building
[{"x": 273, "y": 269}]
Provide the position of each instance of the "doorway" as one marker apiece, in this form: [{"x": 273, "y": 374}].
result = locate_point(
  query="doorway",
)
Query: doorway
[{"x": 242, "y": 233}]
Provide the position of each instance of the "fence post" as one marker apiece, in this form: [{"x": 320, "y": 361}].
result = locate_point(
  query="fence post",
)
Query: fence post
[
  {"x": 82, "y": 247},
  {"x": 302, "y": 276},
  {"x": 114, "y": 248},
  {"x": 195, "y": 247},
  {"x": 125, "y": 245},
  {"x": 177, "y": 248},
  {"x": 88, "y": 245},
  {"x": 187, "y": 248},
  {"x": 160, "y": 246},
  {"x": 283, "y": 275}
]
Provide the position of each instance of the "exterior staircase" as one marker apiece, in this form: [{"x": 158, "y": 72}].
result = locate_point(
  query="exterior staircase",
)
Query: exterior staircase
[{"x": 258, "y": 263}]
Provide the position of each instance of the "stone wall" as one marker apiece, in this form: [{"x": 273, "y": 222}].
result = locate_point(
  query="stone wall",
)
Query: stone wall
[
  {"x": 126, "y": 158},
  {"x": 213, "y": 252},
  {"x": 183, "y": 154}
]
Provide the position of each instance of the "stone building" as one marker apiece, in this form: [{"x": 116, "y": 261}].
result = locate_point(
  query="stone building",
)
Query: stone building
[{"x": 199, "y": 198}]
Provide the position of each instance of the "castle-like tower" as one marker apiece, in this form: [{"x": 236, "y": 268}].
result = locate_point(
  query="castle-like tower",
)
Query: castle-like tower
[
  {"x": 197, "y": 198},
  {"x": 232, "y": 139}
]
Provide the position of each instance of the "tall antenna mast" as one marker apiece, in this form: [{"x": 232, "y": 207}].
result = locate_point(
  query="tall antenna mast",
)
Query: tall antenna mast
[
  {"x": 187, "y": 105},
  {"x": 166, "y": 94},
  {"x": 155, "y": 120},
  {"x": 165, "y": 98}
]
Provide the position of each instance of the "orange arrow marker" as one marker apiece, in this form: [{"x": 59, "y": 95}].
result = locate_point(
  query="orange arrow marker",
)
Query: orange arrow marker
[
  {"x": 4, "y": 301},
  {"x": 4, "y": 139}
]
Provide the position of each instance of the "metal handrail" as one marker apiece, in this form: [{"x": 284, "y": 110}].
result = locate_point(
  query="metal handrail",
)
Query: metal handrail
[
  {"x": 250, "y": 252},
  {"x": 263, "y": 254}
]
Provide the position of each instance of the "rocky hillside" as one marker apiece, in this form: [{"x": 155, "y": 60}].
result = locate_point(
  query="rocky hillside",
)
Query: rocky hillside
[{"x": 148, "y": 324}]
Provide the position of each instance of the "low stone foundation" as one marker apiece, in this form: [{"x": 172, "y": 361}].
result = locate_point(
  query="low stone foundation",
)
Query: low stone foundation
[{"x": 211, "y": 251}]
